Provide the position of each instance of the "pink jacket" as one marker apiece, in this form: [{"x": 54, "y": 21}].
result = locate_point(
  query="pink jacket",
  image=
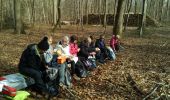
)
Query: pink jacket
[
  {"x": 73, "y": 49},
  {"x": 113, "y": 42}
]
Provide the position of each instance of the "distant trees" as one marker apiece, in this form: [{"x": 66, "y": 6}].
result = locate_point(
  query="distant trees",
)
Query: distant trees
[{"x": 53, "y": 12}]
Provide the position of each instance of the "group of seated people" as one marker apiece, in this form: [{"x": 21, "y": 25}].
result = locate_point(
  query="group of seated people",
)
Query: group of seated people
[{"x": 36, "y": 59}]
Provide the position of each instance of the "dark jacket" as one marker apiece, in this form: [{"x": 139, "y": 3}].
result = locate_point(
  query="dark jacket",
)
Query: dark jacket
[
  {"x": 31, "y": 58},
  {"x": 85, "y": 50},
  {"x": 100, "y": 44}
]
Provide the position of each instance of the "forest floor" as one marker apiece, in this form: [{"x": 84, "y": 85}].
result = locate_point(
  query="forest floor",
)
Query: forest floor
[{"x": 146, "y": 61}]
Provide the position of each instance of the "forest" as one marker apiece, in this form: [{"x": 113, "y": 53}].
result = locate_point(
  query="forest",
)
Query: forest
[{"x": 140, "y": 72}]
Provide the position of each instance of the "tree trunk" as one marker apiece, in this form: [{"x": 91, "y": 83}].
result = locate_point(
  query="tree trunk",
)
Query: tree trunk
[
  {"x": 135, "y": 7},
  {"x": 117, "y": 30},
  {"x": 167, "y": 14},
  {"x": 1, "y": 16},
  {"x": 161, "y": 10},
  {"x": 59, "y": 16},
  {"x": 18, "y": 21},
  {"x": 105, "y": 14},
  {"x": 143, "y": 20},
  {"x": 33, "y": 12},
  {"x": 81, "y": 16},
  {"x": 87, "y": 18},
  {"x": 115, "y": 9},
  {"x": 127, "y": 18},
  {"x": 55, "y": 11}
]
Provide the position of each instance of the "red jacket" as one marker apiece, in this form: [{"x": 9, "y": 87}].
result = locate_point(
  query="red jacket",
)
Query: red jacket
[
  {"x": 113, "y": 42},
  {"x": 73, "y": 49}
]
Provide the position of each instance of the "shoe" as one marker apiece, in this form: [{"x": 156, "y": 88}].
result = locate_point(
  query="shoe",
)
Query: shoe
[
  {"x": 101, "y": 61},
  {"x": 76, "y": 77},
  {"x": 62, "y": 85},
  {"x": 52, "y": 91}
]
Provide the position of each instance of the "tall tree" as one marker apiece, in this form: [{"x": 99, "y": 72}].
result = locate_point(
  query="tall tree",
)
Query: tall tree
[
  {"x": 18, "y": 20},
  {"x": 59, "y": 16},
  {"x": 128, "y": 10},
  {"x": 87, "y": 18},
  {"x": 143, "y": 20},
  {"x": 115, "y": 9},
  {"x": 105, "y": 14},
  {"x": 1, "y": 15},
  {"x": 167, "y": 14},
  {"x": 54, "y": 11},
  {"x": 117, "y": 29},
  {"x": 33, "y": 12}
]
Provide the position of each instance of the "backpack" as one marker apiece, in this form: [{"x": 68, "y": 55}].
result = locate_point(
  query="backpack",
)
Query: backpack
[
  {"x": 80, "y": 70},
  {"x": 111, "y": 54},
  {"x": 90, "y": 63}
]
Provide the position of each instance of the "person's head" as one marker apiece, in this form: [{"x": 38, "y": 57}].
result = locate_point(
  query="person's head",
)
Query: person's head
[
  {"x": 91, "y": 37},
  {"x": 117, "y": 36},
  {"x": 43, "y": 45},
  {"x": 50, "y": 39},
  {"x": 65, "y": 40},
  {"x": 73, "y": 39},
  {"x": 102, "y": 37},
  {"x": 89, "y": 40}
]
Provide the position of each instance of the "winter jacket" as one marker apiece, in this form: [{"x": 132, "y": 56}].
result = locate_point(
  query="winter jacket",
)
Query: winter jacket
[
  {"x": 65, "y": 51},
  {"x": 113, "y": 42},
  {"x": 85, "y": 50},
  {"x": 32, "y": 58},
  {"x": 73, "y": 49},
  {"x": 100, "y": 44}
]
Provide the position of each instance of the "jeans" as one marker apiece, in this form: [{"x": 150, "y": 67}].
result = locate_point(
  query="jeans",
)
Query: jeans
[{"x": 61, "y": 72}]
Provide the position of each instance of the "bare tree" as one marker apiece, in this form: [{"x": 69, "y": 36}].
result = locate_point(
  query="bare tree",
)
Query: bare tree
[
  {"x": 127, "y": 18},
  {"x": 1, "y": 15},
  {"x": 18, "y": 20},
  {"x": 59, "y": 16},
  {"x": 105, "y": 14},
  {"x": 117, "y": 30},
  {"x": 87, "y": 18},
  {"x": 143, "y": 20},
  {"x": 115, "y": 9},
  {"x": 55, "y": 11}
]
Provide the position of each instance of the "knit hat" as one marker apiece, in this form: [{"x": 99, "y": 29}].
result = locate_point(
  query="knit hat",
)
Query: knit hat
[{"x": 43, "y": 44}]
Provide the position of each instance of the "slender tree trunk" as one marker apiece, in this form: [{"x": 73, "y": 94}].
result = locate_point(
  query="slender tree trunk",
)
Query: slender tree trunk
[
  {"x": 1, "y": 15},
  {"x": 87, "y": 17},
  {"x": 161, "y": 10},
  {"x": 59, "y": 16},
  {"x": 143, "y": 20},
  {"x": 115, "y": 9},
  {"x": 55, "y": 12},
  {"x": 18, "y": 20},
  {"x": 81, "y": 11},
  {"x": 127, "y": 18},
  {"x": 44, "y": 16},
  {"x": 117, "y": 30},
  {"x": 105, "y": 14},
  {"x": 33, "y": 12},
  {"x": 167, "y": 13},
  {"x": 135, "y": 7}
]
